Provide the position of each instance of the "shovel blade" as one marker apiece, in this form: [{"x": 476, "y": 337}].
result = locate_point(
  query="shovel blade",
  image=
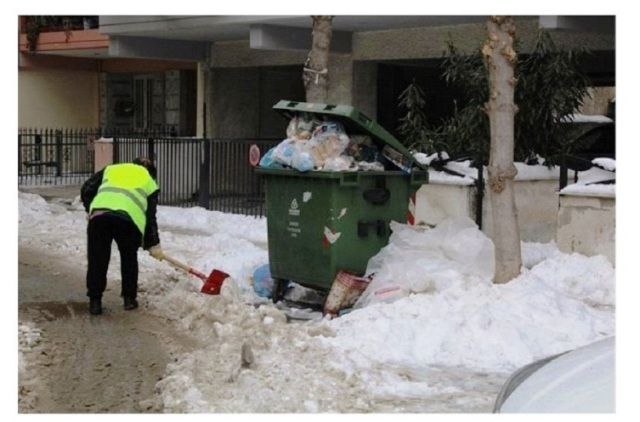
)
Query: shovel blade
[{"x": 213, "y": 284}]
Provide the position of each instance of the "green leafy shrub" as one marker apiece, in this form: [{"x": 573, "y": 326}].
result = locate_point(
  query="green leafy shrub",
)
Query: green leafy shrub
[{"x": 550, "y": 86}]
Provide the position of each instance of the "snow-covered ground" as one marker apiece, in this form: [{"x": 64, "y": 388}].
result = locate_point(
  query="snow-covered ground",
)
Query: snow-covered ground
[{"x": 444, "y": 346}]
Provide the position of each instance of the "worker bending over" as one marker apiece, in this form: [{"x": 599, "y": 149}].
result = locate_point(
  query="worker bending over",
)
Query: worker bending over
[{"x": 121, "y": 202}]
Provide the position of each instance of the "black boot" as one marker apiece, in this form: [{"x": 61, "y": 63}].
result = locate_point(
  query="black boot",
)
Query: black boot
[
  {"x": 130, "y": 303},
  {"x": 95, "y": 306}
]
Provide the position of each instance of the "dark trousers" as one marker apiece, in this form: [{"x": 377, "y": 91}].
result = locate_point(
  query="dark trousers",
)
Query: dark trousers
[{"x": 101, "y": 231}]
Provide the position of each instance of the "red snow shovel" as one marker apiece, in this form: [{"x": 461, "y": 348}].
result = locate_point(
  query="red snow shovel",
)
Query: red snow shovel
[{"x": 212, "y": 284}]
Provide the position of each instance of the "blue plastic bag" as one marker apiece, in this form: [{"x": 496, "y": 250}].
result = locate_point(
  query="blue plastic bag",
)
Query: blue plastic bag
[
  {"x": 262, "y": 281},
  {"x": 267, "y": 160}
]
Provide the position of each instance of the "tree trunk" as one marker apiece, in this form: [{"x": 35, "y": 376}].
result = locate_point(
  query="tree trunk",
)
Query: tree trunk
[
  {"x": 500, "y": 58},
  {"x": 315, "y": 73}
]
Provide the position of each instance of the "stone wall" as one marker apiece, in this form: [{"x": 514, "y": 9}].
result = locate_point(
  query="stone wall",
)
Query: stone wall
[
  {"x": 586, "y": 224},
  {"x": 537, "y": 206},
  {"x": 536, "y": 201}
]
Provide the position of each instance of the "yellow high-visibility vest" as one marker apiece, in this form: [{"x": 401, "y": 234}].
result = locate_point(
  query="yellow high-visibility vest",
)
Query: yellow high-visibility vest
[{"x": 125, "y": 187}]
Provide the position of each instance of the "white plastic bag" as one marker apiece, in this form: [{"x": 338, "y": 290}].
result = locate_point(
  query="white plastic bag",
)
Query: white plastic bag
[
  {"x": 329, "y": 140},
  {"x": 422, "y": 260},
  {"x": 300, "y": 128},
  {"x": 291, "y": 153},
  {"x": 340, "y": 163}
]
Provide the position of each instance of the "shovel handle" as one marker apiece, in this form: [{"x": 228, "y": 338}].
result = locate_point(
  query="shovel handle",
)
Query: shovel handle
[{"x": 185, "y": 267}]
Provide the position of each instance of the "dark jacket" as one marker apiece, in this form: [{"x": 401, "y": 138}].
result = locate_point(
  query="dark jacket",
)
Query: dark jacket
[{"x": 89, "y": 191}]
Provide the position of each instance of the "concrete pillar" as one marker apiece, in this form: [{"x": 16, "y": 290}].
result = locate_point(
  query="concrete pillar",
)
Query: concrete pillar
[
  {"x": 340, "y": 79},
  {"x": 201, "y": 98},
  {"x": 103, "y": 153},
  {"x": 365, "y": 87}
]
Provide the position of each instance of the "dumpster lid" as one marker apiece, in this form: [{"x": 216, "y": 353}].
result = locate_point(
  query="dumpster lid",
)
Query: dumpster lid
[{"x": 355, "y": 123}]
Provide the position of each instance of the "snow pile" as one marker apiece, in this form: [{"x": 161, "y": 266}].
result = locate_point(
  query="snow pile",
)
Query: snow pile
[
  {"x": 199, "y": 221},
  {"x": 587, "y": 279},
  {"x": 534, "y": 253},
  {"x": 562, "y": 303},
  {"x": 447, "y": 348},
  {"x": 418, "y": 260},
  {"x": 290, "y": 371},
  {"x": 51, "y": 225},
  {"x": 33, "y": 208}
]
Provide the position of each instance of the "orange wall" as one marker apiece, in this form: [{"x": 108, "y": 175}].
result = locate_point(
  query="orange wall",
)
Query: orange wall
[{"x": 74, "y": 40}]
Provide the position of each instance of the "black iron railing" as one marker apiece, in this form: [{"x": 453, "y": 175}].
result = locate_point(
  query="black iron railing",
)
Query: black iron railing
[
  {"x": 178, "y": 162},
  {"x": 233, "y": 185},
  {"x": 212, "y": 173},
  {"x": 66, "y": 156},
  {"x": 55, "y": 156}
]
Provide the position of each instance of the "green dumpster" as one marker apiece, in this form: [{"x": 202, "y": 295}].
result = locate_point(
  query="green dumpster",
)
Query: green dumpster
[{"x": 321, "y": 222}]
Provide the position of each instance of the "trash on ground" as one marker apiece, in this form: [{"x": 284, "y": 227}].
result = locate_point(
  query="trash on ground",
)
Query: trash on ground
[
  {"x": 262, "y": 281},
  {"x": 345, "y": 290}
]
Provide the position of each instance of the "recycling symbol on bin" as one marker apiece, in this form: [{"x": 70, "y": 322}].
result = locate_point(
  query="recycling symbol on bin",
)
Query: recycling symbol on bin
[{"x": 293, "y": 208}]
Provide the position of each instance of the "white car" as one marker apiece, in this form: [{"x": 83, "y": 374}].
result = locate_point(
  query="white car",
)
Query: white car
[{"x": 578, "y": 381}]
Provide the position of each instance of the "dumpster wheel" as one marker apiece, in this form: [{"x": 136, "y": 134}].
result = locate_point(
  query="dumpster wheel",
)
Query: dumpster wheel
[{"x": 279, "y": 288}]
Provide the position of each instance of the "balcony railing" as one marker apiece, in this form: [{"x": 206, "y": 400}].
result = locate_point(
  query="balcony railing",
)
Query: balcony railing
[
  {"x": 58, "y": 23},
  {"x": 31, "y": 27}
]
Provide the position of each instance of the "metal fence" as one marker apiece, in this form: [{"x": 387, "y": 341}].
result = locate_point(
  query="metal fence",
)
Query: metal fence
[
  {"x": 66, "y": 156},
  {"x": 55, "y": 156},
  {"x": 232, "y": 184},
  {"x": 178, "y": 161},
  {"x": 211, "y": 173}
]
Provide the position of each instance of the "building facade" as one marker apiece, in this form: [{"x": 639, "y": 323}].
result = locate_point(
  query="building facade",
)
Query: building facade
[{"x": 219, "y": 76}]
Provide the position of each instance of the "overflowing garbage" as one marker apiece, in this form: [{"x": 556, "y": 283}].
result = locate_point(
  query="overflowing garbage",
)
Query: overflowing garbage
[{"x": 312, "y": 144}]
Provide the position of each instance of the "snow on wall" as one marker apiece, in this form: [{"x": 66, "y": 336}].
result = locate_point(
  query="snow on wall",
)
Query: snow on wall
[
  {"x": 536, "y": 200},
  {"x": 536, "y": 190}
]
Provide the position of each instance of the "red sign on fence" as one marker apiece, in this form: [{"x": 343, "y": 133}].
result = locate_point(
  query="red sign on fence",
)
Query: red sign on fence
[{"x": 254, "y": 155}]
